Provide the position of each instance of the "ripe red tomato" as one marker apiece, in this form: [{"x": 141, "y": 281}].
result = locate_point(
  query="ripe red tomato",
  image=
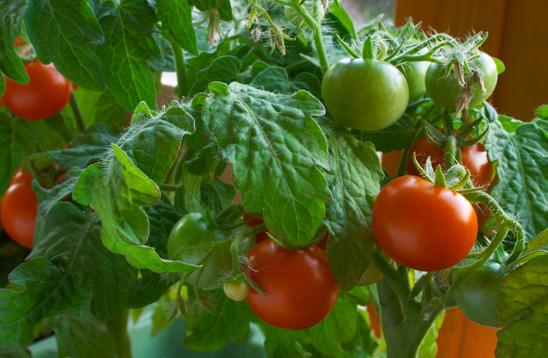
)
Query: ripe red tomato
[
  {"x": 299, "y": 290},
  {"x": 254, "y": 221},
  {"x": 475, "y": 159},
  {"x": 44, "y": 96},
  {"x": 18, "y": 209},
  {"x": 423, "y": 226},
  {"x": 391, "y": 162}
]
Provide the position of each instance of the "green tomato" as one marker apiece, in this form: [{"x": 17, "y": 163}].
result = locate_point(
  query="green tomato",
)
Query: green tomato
[
  {"x": 365, "y": 94},
  {"x": 478, "y": 294},
  {"x": 443, "y": 87},
  {"x": 415, "y": 73},
  {"x": 191, "y": 238}
]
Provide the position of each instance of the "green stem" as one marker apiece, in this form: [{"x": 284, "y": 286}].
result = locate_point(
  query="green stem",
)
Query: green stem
[
  {"x": 316, "y": 27},
  {"x": 182, "y": 81},
  {"x": 77, "y": 113},
  {"x": 404, "y": 327},
  {"x": 117, "y": 327}
]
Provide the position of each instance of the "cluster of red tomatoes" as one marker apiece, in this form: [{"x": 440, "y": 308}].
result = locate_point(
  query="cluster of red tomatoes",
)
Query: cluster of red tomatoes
[
  {"x": 18, "y": 209},
  {"x": 45, "y": 95},
  {"x": 416, "y": 223}
]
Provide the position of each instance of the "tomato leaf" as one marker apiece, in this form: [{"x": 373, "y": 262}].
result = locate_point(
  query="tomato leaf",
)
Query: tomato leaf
[
  {"x": 11, "y": 14},
  {"x": 538, "y": 243},
  {"x": 51, "y": 27},
  {"x": 81, "y": 336},
  {"x": 127, "y": 47},
  {"x": 522, "y": 169},
  {"x": 260, "y": 133},
  {"x": 354, "y": 182},
  {"x": 126, "y": 180},
  {"x": 68, "y": 269},
  {"x": 223, "y": 69},
  {"x": 176, "y": 18},
  {"x": 223, "y": 6},
  {"x": 525, "y": 311},
  {"x": 397, "y": 136},
  {"x": 19, "y": 139},
  {"x": 337, "y": 10},
  {"x": 273, "y": 79},
  {"x": 213, "y": 326}
]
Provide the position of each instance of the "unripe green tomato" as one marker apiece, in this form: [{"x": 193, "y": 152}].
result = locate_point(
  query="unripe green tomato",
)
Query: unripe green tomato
[
  {"x": 479, "y": 295},
  {"x": 415, "y": 73},
  {"x": 236, "y": 290},
  {"x": 187, "y": 235},
  {"x": 313, "y": 7},
  {"x": 443, "y": 87},
  {"x": 362, "y": 94}
]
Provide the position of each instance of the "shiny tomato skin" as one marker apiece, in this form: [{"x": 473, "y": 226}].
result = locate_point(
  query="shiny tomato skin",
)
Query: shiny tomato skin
[
  {"x": 391, "y": 162},
  {"x": 423, "y": 226},
  {"x": 299, "y": 288},
  {"x": 45, "y": 95},
  {"x": 475, "y": 159},
  {"x": 414, "y": 73},
  {"x": 362, "y": 94},
  {"x": 21, "y": 176},
  {"x": 18, "y": 209}
]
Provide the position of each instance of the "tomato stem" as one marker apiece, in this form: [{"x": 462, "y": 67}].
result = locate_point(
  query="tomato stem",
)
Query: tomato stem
[
  {"x": 77, "y": 113},
  {"x": 316, "y": 27},
  {"x": 117, "y": 327},
  {"x": 182, "y": 82}
]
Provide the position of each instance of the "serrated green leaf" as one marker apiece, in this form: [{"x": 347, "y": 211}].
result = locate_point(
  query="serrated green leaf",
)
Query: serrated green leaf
[
  {"x": 223, "y": 6},
  {"x": 538, "y": 243},
  {"x": 56, "y": 38},
  {"x": 354, "y": 182},
  {"x": 522, "y": 171},
  {"x": 344, "y": 19},
  {"x": 260, "y": 133},
  {"x": 397, "y": 136},
  {"x": 176, "y": 18},
  {"x": 126, "y": 180},
  {"x": 127, "y": 47},
  {"x": 524, "y": 313},
  {"x": 428, "y": 347}
]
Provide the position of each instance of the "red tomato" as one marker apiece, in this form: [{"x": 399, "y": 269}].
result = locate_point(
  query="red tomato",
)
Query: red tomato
[
  {"x": 18, "y": 209},
  {"x": 299, "y": 290},
  {"x": 254, "y": 221},
  {"x": 475, "y": 159},
  {"x": 44, "y": 96},
  {"x": 375, "y": 320},
  {"x": 391, "y": 162},
  {"x": 21, "y": 176},
  {"x": 423, "y": 226},
  {"x": 423, "y": 149}
]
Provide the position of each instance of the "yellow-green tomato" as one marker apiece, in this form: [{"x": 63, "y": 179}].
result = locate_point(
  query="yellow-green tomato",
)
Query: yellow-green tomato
[
  {"x": 363, "y": 94},
  {"x": 414, "y": 73},
  {"x": 443, "y": 87},
  {"x": 236, "y": 290}
]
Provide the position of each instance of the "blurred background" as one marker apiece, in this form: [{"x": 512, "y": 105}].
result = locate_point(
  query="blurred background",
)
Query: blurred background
[{"x": 518, "y": 35}]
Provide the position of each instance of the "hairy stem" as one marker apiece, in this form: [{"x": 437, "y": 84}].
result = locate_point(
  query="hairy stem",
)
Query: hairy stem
[
  {"x": 77, "y": 113},
  {"x": 316, "y": 27},
  {"x": 182, "y": 82}
]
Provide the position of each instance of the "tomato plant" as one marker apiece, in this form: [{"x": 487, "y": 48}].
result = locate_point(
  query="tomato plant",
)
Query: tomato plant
[
  {"x": 423, "y": 226},
  {"x": 247, "y": 195},
  {"x": 299, "y": 290},
  {"x": 45, "y": 95}
]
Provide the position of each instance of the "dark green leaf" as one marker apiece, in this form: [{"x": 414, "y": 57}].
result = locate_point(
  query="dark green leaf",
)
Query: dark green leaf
[
  {"x": 176, "y": 18},
  {"x": 273, "y": 79},
  {"x": 67, "y": 33},
  {"x": 11, "y": 14},
  {"x": 260, "y": 133},
  {"x": 525, "y": 311},
  {"x": 398, "y": 136},
  {"x": 128, "y": 45},
  {"x": 522, "y": 171},
  {"x": 83, "y": 338},
  {"x": 344, "y": 19},
  {"x": 224, "y": 69},
  {"x": 354, "y": 182},
  {"x": 223, "y": 6}
]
